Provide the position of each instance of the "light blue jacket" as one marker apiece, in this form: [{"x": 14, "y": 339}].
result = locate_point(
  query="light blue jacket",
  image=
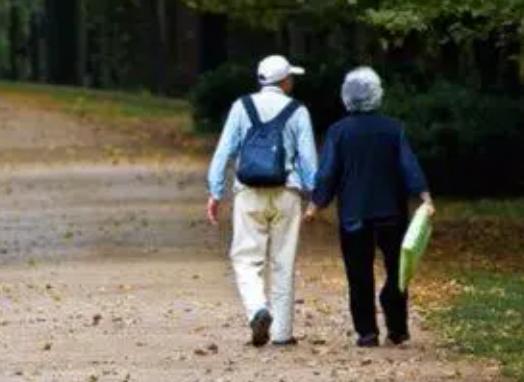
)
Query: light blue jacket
[{"x": 299, "y": 142}]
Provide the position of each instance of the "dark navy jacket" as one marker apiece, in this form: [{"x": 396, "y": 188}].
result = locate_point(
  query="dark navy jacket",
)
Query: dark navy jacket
[{"x": 368, "y": 164}]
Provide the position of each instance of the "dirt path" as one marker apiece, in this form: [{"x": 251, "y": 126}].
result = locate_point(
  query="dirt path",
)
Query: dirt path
[{"x": 110, "y": 273}]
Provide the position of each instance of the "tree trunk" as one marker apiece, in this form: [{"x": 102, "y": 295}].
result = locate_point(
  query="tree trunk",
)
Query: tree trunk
[
  {"x": 14, "y": 40},
  {"x": 81, "y": 43},
  {"x": 521, "y": 61},
  {"x": 105, "y": 51},
  {"x": 51, "y": 43},
  {"x": 297, "y": 40},
  {"x": 161, "y": 47},
  {"x": 35, "y": 47},
  {"x": 61, "y": 41},
  {"x": 213, "y": 41}
]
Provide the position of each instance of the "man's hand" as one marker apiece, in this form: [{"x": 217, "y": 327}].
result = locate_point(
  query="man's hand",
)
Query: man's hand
[
  {"x": 212, "y": 210},
  {"x": 311, "y": 213}
]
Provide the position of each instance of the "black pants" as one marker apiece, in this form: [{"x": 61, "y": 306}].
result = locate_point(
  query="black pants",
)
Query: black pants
[{"x": 358, "y": 248}]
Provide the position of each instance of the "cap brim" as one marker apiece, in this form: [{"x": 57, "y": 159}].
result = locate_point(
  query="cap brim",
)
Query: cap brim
[{"x": 297, "y": 71}]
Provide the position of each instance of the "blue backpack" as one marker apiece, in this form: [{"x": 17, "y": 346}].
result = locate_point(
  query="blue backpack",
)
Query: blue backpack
[{"x": 262, "y": 160}]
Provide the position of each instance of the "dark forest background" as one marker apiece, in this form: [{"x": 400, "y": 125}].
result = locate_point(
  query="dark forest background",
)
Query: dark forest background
[{"x": 453, "y": 71}]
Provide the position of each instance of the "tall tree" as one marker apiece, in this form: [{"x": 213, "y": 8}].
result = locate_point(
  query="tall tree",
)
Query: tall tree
[
  {"x": 36, "y": 46},
  {"x": 15, "y": 38},
  {"x": 160, "y": 38},
  {"x": 61, "y": 40},
  {"x": 81, "y": 42},
  {"x": 436, "y": 23}
]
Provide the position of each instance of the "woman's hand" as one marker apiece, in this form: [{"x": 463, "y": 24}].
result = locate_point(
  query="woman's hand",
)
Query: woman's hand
[
  {"x": 428, "y": 202},
  {"x": 311, "y": 213},
  {"x": 431, "y": 208}
]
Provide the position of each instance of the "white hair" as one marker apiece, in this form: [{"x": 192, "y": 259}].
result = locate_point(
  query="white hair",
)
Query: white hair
[{"x": 362, "y": 90}]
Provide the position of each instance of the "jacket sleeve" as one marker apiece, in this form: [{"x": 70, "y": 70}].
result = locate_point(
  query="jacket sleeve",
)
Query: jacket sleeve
[
  {"x": 414, "y": 178},
  {"x": 227, "y": 149},
  {"x": 307, "y": 160},
  {"x": 329, "y": 172}
]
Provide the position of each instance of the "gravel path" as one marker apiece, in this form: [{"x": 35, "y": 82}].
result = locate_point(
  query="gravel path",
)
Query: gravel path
[{"x": 110, "y": 273}]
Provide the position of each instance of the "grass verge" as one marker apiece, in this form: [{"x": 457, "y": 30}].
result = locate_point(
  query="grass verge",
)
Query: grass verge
[
  {"x": 146, "y": 125},
  {"x": 471, "y": 282},
  {"x": 99, "y": 103},
  {"x": 481, "y": 208},
  {"x": 487, "y": 319}
]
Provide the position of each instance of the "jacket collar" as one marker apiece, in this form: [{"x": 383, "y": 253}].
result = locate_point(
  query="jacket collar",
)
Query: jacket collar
[
  {"x": 271, "y": 89},
  {"x": 358, "y": 113}
]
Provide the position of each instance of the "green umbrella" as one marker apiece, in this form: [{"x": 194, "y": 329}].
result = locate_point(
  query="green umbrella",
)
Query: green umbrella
[{"x": 414, "y": 245}]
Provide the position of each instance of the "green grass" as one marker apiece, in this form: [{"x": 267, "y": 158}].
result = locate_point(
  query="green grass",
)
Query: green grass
[
  {"x": 107, "y": 104},
  {"x": 480, "y": 208},
  {"x": 143, "y": 123},
  {"x": 487, "y": 320}
]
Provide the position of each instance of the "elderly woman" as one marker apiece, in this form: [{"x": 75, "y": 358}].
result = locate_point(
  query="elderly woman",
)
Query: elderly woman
[{"x": 368, "y": 164}]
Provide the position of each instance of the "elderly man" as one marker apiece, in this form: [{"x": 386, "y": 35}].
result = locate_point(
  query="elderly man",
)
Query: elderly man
[
  {"x": 270, "y": 137},
  {"x": 368, "y": 164}
]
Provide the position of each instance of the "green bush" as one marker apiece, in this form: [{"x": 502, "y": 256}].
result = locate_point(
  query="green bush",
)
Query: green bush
[
  {"x": 470, "y": 143},
  {"x": 319, "y": 90},
  {"x": 216, "y": 91}
]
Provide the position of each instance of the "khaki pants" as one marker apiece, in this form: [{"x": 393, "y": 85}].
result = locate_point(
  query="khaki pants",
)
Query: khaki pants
[{"x": 266, "y": 227}]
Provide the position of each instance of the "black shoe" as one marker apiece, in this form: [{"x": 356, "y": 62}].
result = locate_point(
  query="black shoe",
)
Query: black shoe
[
  {"x": 368, "y": 341},
  {"x": 397, "y": 338},
  {"x": 290, "y": 342},
  {"x": 260, "y": 326}
]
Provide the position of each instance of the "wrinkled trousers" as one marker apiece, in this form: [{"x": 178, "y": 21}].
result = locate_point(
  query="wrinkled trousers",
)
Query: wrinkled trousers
[{"x": 266, "y": 225}]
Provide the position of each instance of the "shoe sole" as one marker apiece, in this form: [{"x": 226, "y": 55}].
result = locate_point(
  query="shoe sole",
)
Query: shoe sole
[
  {"x": 401, "y": 342},
  {"x": 292, "y": 342},
  {"x": 260, "y": 327},
  {"x": 368, "y": 345},
  {"x": 371, "y": 342}
]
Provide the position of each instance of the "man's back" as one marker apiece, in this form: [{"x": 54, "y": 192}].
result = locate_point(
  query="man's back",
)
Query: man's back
[
  {"x": 269, "y": 103},
  {"x": 301, "y": 160}
]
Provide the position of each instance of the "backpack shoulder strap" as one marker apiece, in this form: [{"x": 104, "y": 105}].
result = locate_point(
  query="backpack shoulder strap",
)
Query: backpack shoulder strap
[
  {"x": 288, "y": 111},
  {"x": 251, "y": 110}
]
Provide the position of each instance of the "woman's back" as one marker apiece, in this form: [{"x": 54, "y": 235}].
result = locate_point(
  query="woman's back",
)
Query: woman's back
[{"x": 371, "y": 183}]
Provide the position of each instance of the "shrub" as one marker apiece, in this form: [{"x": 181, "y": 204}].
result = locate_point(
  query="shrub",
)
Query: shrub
[
  {"x": 216, "y": 91},
  {"x": 319, "y": 90},
  {"x": 469, "y": 143}
]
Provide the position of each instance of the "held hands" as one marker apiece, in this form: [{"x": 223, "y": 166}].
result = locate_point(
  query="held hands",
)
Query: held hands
[
  {"x": 309, "y": 216},
  {"x": 212, "y": 210},
  {"x": 311, "y": 213}
]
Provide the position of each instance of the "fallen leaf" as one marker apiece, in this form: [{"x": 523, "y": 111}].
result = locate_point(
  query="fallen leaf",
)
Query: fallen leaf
[
  {"x": 200, "y": 352},
  {"x": 96, "y": 319},
  {"x": 213, "y": 348}
]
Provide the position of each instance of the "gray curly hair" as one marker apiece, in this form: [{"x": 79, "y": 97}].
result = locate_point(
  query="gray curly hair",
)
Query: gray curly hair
[{"x": 362, "y": 90}]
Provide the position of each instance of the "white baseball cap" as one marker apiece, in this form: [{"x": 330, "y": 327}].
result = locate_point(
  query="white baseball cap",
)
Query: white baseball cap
[{"x": 273, "y": 69}]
